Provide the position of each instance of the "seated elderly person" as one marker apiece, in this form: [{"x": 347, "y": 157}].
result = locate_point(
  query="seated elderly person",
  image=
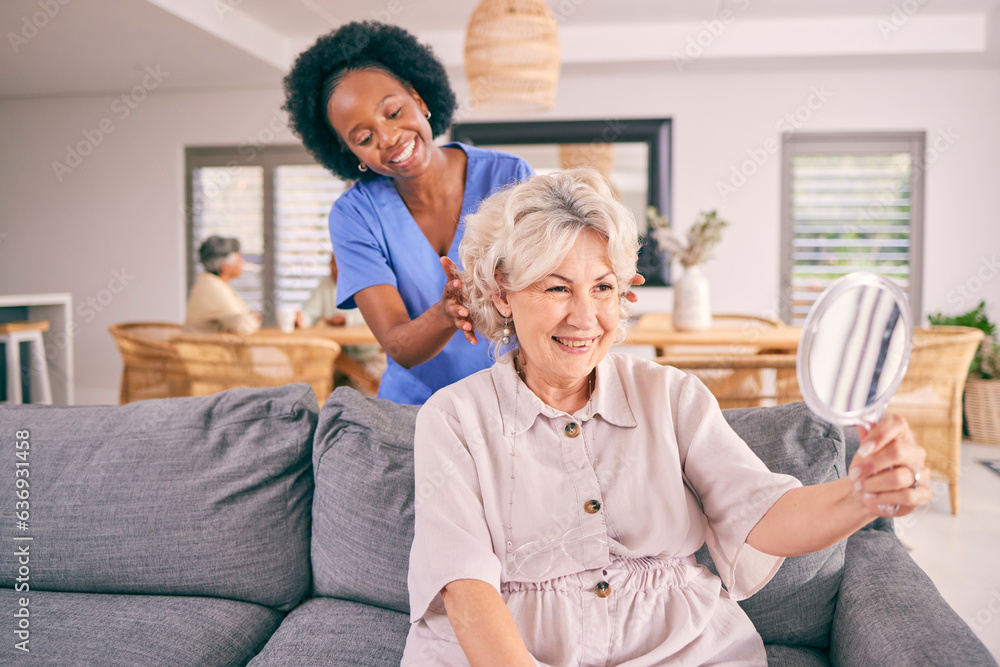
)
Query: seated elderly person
[
  {"x": 321, "y": 306},
  {"x": 578, "y": 484},
  {"x": 213, "y": 304},
  {"x": 320, "y": 309}
]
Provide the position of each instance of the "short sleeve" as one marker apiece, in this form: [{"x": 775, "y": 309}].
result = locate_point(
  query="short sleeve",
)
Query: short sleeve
[
  {"x": 523, "y": 171},
  {"x": 451, "y": 538},
  {"x": 362, "y": 258},
  {"x": 733, "y": 486}
]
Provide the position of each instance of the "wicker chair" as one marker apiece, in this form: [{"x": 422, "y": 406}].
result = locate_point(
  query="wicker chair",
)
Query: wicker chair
[
  {"x": 930, "y": 396},
  {"x": 742, "y": 380},
  {"x": 151, "y": 367},
  {"x": 220, "y": 361}
]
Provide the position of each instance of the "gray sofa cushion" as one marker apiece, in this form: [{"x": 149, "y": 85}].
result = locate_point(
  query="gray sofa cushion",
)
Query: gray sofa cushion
[
  {"x": 186, "y": 496},
  {"x": 326, "y": 631},
  {"x": 890, "y": 613},
  {"x": 796, "y": 607},
  {"x": 136, "y": 630},
  {"x": 363, "y": 502},
  {"x": 795, "y": 656}
]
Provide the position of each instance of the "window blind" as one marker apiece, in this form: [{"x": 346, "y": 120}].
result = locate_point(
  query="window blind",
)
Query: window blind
[
  {"x": 276, "y": 202},
  {"x": 848, "y": 208},
  {"x": 303, "y": 195}
]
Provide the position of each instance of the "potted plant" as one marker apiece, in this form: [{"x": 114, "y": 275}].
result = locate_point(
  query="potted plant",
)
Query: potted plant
[
  {"x": 692, "y": 305},
  {"x": 982, "y": 388}
]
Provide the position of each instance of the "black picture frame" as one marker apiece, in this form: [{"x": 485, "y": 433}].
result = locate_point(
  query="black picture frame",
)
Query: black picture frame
[{"x": 654, "y": 132}]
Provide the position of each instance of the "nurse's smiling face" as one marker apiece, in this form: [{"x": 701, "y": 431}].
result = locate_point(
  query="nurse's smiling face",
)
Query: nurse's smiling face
[
  {"x": 382, "y": 122},
  {"x": 567, "y": 322}
]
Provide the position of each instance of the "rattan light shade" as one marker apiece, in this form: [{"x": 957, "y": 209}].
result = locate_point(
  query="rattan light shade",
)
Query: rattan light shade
[{"x": 512, "y": 56}]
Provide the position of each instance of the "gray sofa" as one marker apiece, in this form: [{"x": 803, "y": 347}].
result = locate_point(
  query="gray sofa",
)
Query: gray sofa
[{"x": 248, "y": 528}]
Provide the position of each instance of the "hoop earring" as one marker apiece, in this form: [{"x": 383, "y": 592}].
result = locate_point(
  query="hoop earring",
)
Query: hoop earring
[
  {"x": 428, "y": 114},
  {"x": 362, "y": 166},
  {"x": 506, "y": 331}
]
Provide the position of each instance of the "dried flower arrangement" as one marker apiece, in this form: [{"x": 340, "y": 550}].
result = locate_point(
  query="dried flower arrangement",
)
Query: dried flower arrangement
[{"x": 702, "y": 236}]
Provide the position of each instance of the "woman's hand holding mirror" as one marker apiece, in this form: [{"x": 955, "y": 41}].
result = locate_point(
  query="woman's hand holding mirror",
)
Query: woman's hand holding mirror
[
  {"x": 855, "y": 348},
  {"x": 888, "y": 470}
]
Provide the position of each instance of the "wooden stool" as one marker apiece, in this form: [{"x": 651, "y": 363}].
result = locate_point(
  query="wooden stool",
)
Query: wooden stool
[{"x": 12, "y": 334}]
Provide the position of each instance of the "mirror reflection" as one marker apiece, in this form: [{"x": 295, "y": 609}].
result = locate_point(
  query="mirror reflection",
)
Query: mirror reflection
[{"x": 855, "y": 347}]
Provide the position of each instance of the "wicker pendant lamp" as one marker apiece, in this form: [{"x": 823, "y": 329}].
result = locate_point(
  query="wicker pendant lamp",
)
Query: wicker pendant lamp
[{"x": 512, "y": 56}]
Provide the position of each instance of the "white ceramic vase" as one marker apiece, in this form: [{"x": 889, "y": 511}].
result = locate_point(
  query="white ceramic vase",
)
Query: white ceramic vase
[{"x": 692, "y": 305}]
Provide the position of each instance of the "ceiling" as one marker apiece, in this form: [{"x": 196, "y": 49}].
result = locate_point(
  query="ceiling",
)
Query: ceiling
[{"x": 106, "y": 46}]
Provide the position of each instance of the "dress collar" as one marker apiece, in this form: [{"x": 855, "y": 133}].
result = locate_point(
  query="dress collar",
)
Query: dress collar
[{"x": 609, "y": 399}]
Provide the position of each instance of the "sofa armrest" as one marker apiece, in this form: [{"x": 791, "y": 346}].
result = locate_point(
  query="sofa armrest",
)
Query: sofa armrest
[{"x": 890, "y": 613}]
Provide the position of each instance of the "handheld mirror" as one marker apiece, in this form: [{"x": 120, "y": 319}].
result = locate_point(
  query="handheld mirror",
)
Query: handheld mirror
[{"x": 855, "y": 346}]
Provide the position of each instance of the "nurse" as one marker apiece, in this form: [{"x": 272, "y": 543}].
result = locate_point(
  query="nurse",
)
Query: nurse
[{"x": 368, "y": 101}]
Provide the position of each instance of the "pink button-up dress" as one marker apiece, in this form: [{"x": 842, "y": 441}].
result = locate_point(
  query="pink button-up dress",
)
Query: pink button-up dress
[{"x": 586, "y": 524}]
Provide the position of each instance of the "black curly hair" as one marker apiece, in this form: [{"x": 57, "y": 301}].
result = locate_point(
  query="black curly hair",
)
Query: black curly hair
[{"x": 354, "y": 46}]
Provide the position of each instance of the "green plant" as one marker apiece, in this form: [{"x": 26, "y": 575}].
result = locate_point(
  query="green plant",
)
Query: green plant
[
  {"x": 989, "y": 360},
  {"x": 986, "y": 363}
]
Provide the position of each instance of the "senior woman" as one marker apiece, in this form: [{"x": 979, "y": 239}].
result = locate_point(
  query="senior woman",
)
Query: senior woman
[
  {"x": 579, "y": 484},
  {"x": 213, "y": 304},
  {"x": 368, "y": 101}
]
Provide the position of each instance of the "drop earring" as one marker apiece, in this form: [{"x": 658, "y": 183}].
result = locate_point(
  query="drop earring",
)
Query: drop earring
[
  {"x": 506, "y": 331},
  {"x": 363, "y": 167}
]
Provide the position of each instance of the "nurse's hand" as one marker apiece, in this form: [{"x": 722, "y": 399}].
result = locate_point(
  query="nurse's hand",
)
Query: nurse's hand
[
  {"x": 451, "y": 301},
  {"x": 636, "y": 281}
]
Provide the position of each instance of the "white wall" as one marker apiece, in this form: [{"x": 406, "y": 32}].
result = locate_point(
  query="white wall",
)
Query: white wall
[{"x": 120, "y": 210}]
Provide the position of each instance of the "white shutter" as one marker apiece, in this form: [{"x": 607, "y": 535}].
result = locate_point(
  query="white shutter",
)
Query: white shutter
[
  {"x": 848, "y": 206},
  {"x": 303, "y": 195}
]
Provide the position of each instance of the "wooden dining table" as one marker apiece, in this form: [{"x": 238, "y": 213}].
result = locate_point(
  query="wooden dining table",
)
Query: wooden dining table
[
  {"x": 764, "y": 339},
  {"x": 357, "y": 335}
]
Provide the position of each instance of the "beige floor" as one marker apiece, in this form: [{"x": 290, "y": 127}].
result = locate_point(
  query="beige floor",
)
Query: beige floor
[{"x": 961, "y": 554}]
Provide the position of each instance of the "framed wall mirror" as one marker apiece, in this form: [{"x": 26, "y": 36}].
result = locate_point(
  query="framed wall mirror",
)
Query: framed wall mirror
[{"x": 634, "y": 154}]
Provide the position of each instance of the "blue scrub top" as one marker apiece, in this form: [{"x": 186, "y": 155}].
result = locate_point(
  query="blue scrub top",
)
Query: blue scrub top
[{"x": 377, "y": 242}]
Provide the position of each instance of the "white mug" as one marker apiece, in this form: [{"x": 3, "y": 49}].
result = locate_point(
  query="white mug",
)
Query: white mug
[{"x": 286, "y": 319}]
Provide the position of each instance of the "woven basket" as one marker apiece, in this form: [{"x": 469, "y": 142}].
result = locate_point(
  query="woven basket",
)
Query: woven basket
[
  {"x": 512, "y": 56},
  {"x": 982, "y": 410}
]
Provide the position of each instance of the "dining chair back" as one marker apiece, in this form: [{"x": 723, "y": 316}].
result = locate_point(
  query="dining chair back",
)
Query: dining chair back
[
  {"x": 151, "y": 367},
  {"x": 220, "y": 361},
  {"x": 930, "y": 396}
]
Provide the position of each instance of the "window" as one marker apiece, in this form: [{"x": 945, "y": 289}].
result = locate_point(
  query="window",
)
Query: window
[
  {"x": 275, "y": 200},
  {"x": 850, "y": 202}
]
